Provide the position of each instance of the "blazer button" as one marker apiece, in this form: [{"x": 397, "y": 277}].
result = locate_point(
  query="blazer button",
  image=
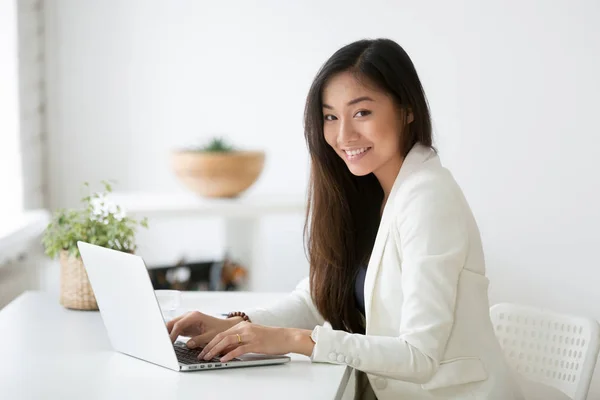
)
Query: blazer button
[
  {"x": 332, "y": 356},
  {"x": 340, "y": 358},
  {"x": 356, "y": 363},
  {"x": 348, "y": 360},
  {"x": 380, "y": 383}
]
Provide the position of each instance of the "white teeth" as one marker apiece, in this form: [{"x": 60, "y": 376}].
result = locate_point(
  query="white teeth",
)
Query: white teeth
[{"x": 356, "y": 151}]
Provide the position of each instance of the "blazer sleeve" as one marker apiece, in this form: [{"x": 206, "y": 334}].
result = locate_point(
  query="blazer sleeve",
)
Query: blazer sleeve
[
  {"x": 432, "y": 228},
  {"x": 297, "y": 310}
]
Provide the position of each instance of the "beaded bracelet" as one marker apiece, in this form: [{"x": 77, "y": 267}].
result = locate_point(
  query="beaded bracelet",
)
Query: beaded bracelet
[{"x": 239, "y": 314}]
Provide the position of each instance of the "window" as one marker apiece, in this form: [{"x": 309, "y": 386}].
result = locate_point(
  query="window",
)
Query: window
[{"x": 11, "y": 186}]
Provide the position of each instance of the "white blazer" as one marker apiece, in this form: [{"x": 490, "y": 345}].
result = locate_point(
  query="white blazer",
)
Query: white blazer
[{"x": 428, "y": 329}]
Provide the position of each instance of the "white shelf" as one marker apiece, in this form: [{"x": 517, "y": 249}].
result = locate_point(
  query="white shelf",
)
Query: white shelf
[
  {"x": 241, "y": 216},
  {"x": 174, "y": 204}
]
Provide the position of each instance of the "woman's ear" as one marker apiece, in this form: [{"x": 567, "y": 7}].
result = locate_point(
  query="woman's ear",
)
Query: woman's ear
[{"x": 410, "y": 117}]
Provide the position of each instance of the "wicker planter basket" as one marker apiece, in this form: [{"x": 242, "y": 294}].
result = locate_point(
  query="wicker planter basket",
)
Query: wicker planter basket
[{"x": 75, "y": 290}]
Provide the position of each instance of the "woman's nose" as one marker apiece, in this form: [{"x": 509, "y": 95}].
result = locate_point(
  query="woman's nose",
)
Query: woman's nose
[{"x": 347, "y": 133}]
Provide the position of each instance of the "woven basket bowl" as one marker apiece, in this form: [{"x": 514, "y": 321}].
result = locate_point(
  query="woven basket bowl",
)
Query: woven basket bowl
[{"x": 75, "y": 290}]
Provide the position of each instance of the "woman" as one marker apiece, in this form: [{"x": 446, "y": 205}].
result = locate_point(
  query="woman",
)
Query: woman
[{"x": 397, "y": 284}]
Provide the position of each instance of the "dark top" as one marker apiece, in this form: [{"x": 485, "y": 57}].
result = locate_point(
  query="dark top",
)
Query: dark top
[{"x": 359, "y": 289}]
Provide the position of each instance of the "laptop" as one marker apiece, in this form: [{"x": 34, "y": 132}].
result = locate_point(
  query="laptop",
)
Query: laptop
[{"x": 132, "y": 315}]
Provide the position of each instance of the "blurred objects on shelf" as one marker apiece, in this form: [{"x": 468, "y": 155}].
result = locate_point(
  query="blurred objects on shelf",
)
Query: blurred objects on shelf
[{"x": 200, "y": 276}]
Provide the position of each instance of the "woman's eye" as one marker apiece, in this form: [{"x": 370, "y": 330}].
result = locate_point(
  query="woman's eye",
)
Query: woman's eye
[
  {"x": 330, "y": 117},
  {"x": 362, "y": 113}
]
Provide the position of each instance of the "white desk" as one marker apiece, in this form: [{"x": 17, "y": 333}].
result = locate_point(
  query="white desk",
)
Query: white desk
[{"x": 48, "y": 352}]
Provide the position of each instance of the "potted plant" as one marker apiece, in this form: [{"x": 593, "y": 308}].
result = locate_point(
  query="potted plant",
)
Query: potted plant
[
  {"x": 99, "y": 222},
  {"x": 217, "y": 169}
]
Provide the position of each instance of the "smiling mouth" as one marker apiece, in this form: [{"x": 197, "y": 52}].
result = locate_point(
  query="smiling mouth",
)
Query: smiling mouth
[{"x": 355, "y": 154}]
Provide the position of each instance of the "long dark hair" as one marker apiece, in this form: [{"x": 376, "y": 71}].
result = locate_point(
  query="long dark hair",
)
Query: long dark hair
[{"x": 343, "y": 209}]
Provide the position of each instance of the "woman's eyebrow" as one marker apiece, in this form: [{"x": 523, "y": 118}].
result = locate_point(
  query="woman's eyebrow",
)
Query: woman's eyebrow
[{"x": 351, "y": 102}]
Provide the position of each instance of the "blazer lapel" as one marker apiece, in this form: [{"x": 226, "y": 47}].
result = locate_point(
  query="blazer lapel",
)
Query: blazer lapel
[{"x": 417, "y": 156}]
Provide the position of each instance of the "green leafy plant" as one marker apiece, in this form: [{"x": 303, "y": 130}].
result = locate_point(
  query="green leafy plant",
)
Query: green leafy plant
[
  {"x": 216, "y": 145},
  {"x": 100, "y": 222}
]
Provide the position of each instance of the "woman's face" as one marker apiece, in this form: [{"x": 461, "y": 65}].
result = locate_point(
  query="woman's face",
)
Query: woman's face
[{"x": 362, "y": 125}]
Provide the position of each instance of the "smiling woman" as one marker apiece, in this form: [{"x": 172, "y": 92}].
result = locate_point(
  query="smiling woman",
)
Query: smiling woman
[
  {"x": 397, "y": 287},
  {"x": 365, "y": 111}
]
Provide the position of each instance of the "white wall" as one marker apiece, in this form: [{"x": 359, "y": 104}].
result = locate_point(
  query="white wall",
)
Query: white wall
[{"x": 513, "y": 87}]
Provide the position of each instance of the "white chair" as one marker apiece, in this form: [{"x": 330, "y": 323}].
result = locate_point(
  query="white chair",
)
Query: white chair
[{"x": 553, "y": 349}]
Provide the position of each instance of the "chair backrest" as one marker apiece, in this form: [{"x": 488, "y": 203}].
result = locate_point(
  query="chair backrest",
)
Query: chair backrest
[{"x": 543, "y": 346}]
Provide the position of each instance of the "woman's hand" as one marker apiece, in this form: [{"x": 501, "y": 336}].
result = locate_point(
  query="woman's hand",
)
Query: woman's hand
[
  {"x": 200, "y": 327},
  {"x": 246, "y": 337}
]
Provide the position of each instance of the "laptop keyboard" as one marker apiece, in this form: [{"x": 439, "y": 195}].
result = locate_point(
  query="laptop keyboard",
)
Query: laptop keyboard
[{"x": 190, "y": 356}]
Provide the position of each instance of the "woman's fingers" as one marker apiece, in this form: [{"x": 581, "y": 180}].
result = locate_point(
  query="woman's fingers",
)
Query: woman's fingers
[
  {"x": 236, "y": 352},
  {"x": 182, "y": 324},
  {"x": 228, "y": 349},
  {"x": 172, "y": 322},
  {"x": 212, "y": 343},
  {"x": 200, "y": 340},
  {"x": 227, "y": 341},
  {"x": 231, "y": 340},
  {"x": 240, "y": 328}
]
